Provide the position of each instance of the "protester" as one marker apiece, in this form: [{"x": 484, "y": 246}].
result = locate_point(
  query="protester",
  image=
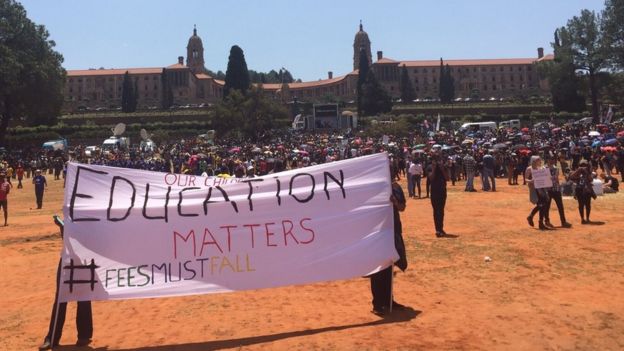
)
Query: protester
[
  {"x": 611, "y": 184},
  {"x": 381, "y": 282},
  {"x": 84, "y": 318},
  {"x": 539, "y": 197},
  {"x": 5, "y": 189},
  {"x": 438, "y": 177},
  {"x": 554, "y": 193},
  {"x": 488, "y": 174},
  {"x": 584, "y": 191},
  {"x": 470, "y": 166},
  {"x": 40, "y": 183}
]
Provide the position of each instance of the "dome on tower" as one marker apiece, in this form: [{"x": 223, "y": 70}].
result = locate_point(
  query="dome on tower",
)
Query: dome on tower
[
  {"x": 195, "y": 40},
  {"x": 361, "y": 42},
  {"x": 361, "y": 36}
]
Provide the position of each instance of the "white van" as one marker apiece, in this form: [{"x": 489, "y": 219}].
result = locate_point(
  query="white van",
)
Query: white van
[
  {"x": 512, "y": 123},
  {"x": 478, "y": 126}
]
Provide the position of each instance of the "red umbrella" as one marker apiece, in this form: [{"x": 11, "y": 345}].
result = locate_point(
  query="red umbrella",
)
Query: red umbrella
[
  {"x": 620, "y": 134},
  {"x": 608, "y": 148},
  {"x": 525, "y": 130}
]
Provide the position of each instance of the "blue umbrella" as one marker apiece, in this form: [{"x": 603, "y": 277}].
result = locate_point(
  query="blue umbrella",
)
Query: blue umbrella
[
  {"x": 611, "y": 142},
  {"x": 596, "y": 143}
]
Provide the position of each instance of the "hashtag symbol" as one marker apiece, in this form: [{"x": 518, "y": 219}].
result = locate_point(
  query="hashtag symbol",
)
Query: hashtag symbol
[{"x": 73, "y": 267}]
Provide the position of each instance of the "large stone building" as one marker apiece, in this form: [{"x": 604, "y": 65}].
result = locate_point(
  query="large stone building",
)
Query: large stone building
[{"x": 191, "y": 84}]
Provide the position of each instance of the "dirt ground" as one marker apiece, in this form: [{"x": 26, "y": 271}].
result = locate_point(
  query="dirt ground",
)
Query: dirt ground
[{"x": 559, "y": 290}]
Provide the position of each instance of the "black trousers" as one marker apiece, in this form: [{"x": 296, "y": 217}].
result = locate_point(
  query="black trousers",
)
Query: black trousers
[
  {"x": 381, "y": 288},
  {"x": 39, "y": 196},
  {"x": 84, "y": 319},
  {"x": 541, "y": 207},
  {"x": 556, "y": 195},
  {"x": 416, "y": 182},
  {"x": 584, "y": 203},
  {"x": 438, "y": 201}
]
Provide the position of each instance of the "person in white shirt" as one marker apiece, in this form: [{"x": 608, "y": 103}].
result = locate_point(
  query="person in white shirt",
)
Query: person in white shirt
[
  {"x": 415, "y": 172},
  {"x": 597, "y": 185}
]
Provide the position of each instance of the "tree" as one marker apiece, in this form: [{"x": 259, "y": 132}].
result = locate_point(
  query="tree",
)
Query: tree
[
  {"x": 363, "y": 71},
  {"x": 31, "y": 75},
  {"x": 613, "y": 28},
  {"x": 375, "y": 99},
  {"x": 127, "y": 94},
  {"x": 565, "y": 84},
  {"x": 446, "y": 91},
  {"x": 167, "y": 91},
  {"x": 407, "y": 89},
  {"x": 237, "y": 74},
  {"x": 250, "y": 116},
  {"x": 583, "y": 40},
  {"x": 135, "y": 95}
]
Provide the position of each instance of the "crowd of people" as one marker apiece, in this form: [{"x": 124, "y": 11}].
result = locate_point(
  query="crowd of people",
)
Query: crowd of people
[
  {"x": 571, "y": 155},
  {"x": 423, "y": 155}
]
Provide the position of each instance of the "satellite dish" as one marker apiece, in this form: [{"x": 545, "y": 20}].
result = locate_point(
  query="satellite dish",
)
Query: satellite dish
[
  {"x": 119, "y": 129},
  {"x": 144, "y": 135},
  {"x": 58, "y": 146}
]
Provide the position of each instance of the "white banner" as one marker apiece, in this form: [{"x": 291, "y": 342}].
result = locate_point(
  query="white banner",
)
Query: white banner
[
  {"x": 541, "y": 178},
  {"x": 139, "y": 234}
]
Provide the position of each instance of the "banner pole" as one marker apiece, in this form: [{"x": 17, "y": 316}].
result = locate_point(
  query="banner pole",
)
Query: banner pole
[
  {"x": 57, "y": 305},
  {"x": 391, "y": 285}
]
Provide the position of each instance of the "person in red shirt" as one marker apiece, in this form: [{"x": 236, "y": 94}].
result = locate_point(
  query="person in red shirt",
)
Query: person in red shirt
[
  {"x": 5, "y": 188},
  {"x": 20, "y": 175}
]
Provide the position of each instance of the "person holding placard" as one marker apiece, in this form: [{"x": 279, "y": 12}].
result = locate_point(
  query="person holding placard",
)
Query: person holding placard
[{"x": 538, "y": 195}]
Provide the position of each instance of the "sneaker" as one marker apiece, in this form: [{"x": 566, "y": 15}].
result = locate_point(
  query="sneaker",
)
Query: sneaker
[
  {"x": 83, "y": 342},
  {"x": 439, "y": 234},
  {"x": 397, "y": 306},
  {"x": 380, "y": 311},
  {"x": 566, "y": 225},
  {"x": 47, "y": 345},
  {"x": 547, "y": 223}
]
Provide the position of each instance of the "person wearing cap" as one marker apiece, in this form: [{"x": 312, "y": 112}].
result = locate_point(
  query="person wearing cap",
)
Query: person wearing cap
[
  {"x": 40, "y": 183},
  {"x": 5, "y": 188},
  {"x": 584, "y": 190}
]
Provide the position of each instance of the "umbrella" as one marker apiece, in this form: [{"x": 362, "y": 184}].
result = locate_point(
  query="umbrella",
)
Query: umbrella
[
  {"x": 421, "y": 151},
  {"x": 524, "y": 130},
  {"x": 500, "y": 146},
  {"x": 620, "y": 134},
  {"x": 235, "y": 150},
  {"x": 556, "y": 130},
  {"x": 596, "y": 143},
  {"x": 467, "y": 141},
  {"x": 611, "y": 142},
  {"x": 256, "y": 150},
  {"x": 608, "y": 148},
  {"x": 420, "y": 146},
  {"x": 436, "y": 146},
  {"x": 304, "y": 153},
  {"x": 593, "y": 133}
]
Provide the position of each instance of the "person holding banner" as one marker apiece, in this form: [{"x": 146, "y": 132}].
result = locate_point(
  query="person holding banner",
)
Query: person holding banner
[
  {"x": 381, "y": 282},
  {"x": 538, "y": 194},
  {"x": 84, "y": 319}
]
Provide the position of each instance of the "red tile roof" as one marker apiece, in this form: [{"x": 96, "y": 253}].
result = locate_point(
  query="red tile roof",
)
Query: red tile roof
[
  {"x": 473, "y": 62},
  {"x": 113, "y": 71},
  {"x": 176, "y": 66},
  {"x": 203, "y": 76},
  {"x": 386, "y": 60}
]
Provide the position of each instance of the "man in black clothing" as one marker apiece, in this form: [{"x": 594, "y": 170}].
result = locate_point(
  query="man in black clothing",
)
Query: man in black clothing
[
  {"x": 381, "y": 282},
  {"x": 438, "y": 177},
  {"x": 84, "y": 319}
]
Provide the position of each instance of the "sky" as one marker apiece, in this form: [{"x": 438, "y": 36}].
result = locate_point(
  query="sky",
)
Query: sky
[{"x": 309, "y": 38}]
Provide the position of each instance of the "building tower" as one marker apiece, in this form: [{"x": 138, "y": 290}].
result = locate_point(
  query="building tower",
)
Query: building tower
[
  {"x": 195, "y": 53},
  {"x": 361, "y": 41}
]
